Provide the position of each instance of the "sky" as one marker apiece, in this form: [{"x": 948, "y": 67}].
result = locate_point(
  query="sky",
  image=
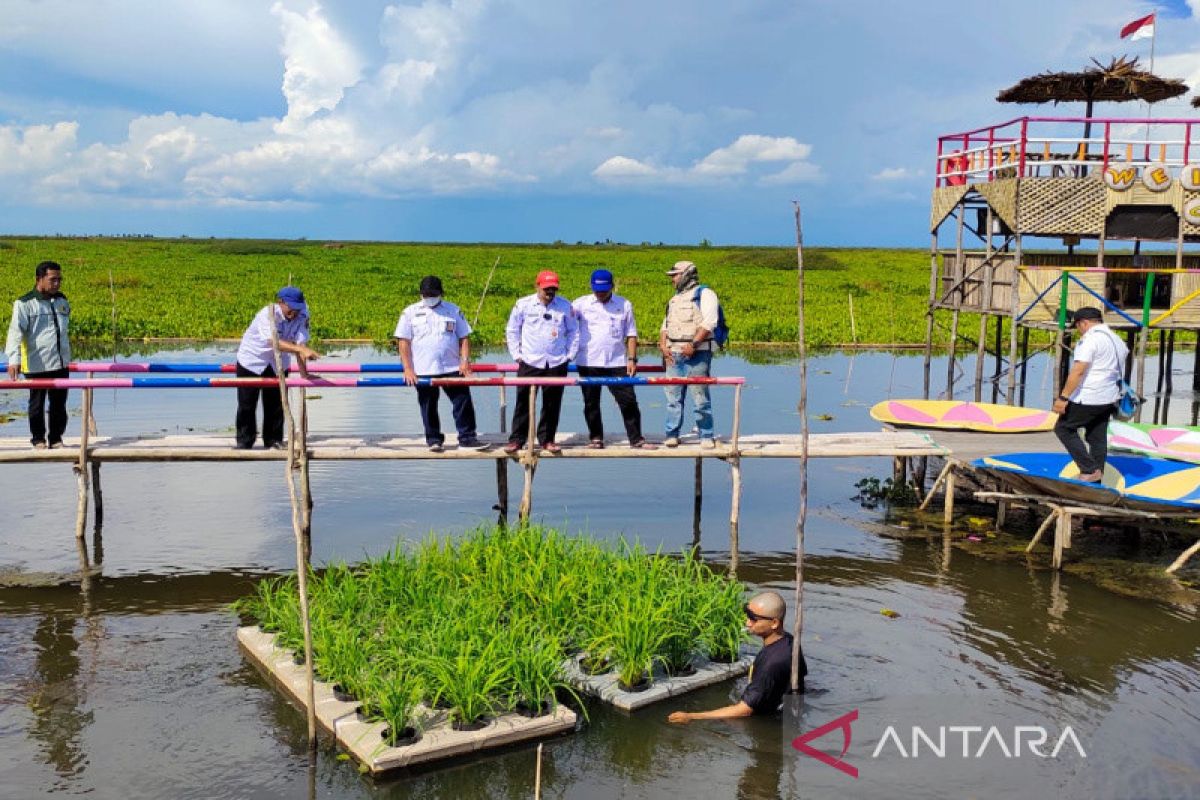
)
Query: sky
[{"x": 522, "y": 121}]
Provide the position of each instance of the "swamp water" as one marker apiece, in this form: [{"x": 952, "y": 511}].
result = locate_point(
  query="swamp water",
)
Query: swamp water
[{"x": 136, "y": 687}]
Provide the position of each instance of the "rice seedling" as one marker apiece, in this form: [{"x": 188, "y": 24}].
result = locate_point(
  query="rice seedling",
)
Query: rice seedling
[{"x": 485, "y": 623}]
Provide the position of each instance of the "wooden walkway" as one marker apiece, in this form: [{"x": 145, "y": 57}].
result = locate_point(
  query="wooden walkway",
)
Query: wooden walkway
[{"x": 219, "y": 447}]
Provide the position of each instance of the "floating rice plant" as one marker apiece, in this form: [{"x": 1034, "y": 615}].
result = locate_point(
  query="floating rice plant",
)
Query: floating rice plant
[{"x": 484, "y": 624}]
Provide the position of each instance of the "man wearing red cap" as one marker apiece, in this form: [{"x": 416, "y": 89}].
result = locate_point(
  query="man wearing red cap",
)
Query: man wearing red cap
[{"x": 543, "y": 337}]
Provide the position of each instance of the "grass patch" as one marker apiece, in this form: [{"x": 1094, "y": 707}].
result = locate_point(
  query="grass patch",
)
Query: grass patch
[{"x": 483, "y": 625}]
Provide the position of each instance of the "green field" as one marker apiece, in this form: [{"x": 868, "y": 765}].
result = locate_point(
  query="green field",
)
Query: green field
[{"x": 210, "y": 288}]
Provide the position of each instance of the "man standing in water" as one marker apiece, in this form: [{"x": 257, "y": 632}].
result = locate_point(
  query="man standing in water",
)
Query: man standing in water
[
  {"x": 432, "y": 337},
  {"x": 771, "y": 672},
  {"x": 543, "y": 337},
  {"x": 38, "y": 346},
  {"x": 686, "y": 342},
  {"x": 1088, "y": 395},
  {"x": 256, "y": 359},
  {"x": 608, "y": 349}
]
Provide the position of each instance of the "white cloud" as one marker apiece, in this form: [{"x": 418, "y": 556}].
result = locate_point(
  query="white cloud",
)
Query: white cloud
[
  {"x": 318, "y": 64},
  {"x": 35, "y": 148},
  {"x": 724, "y": 164},
  {"x": 896, "y": 174}
]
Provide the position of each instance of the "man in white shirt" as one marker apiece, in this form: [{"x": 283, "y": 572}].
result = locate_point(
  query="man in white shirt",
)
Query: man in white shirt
[
  {"x": 543, "y": 337},
  {"x": 256, "y": 359},
  {"x": 432, "y": 337},
  {"x": 685, "y": 340},
  {"x": 1089, "y": 393},
  {"x": 608, "y": 349}
]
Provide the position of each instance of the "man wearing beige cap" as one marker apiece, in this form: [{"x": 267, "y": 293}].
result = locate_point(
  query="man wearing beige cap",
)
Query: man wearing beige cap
[{"x": 686, "y": 342}]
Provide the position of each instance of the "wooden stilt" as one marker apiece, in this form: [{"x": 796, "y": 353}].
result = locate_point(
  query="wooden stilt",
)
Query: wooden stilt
[
  {"x": 948, "y": 506},
  {"x": 1037, "y": 537},
  {"x": 1143, "y": 338},
  {"x": 1013, "y": 325},
  {"x": 529, "y": 462},
  {"x": 951, "y": 354},
  {"x": 1024, "y": 360},
  {"x": 735, "y": 466},
  {"x": 502, "y": 464},
  {"x": 1170, "y": 366},
  {"x": 899, "y": 470},
  {"x": 1162, "y": 361},
  {"x": 697, "y": 498},
  {"x": 97, "y": 497},
  {"x": 1196, "y": 365},
  {"x": 1061, "y": 534},
  {"x": 1183, "y": 558},
  {"x": 998, "y": 361},
  {"x": 985, "y": 304},
  {"x": 81, "y": 467},
  {"x": 290, "y": 469},
  {"x": 306, "y": 499},
  {"x": 802, "y": 407},
  {"x": 1001, "y": 514},
  {"x": 936, "y": 484},
  {"x": 980, "y": 356}
]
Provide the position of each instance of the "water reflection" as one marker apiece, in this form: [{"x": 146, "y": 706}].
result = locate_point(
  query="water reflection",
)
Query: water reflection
[{"x": 56, "y": 697}]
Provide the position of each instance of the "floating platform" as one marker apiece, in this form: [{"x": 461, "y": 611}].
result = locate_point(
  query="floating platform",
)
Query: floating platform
[
  {"x": 605, "y": 687},
  {"x": 364, "y": 740}
]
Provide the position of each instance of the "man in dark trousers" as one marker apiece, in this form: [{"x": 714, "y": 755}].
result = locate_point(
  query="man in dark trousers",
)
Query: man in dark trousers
[
  {"x": 771, "y": 674},
  {"x": 1087, "y": 397},
  {"x": 608, "y": 349},
  {"x": 38, "y": 346}
]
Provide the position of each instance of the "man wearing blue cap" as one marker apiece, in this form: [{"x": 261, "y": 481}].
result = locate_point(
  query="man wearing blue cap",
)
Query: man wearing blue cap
[
  {"x": 608, "y": 349},
  {"x": 256, "y": 359}
]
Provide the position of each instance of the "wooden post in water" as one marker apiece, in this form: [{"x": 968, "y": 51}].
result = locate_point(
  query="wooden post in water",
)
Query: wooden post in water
[
  {"x": 735, "y": 465},
  {"x": 1012, "y": 331},
  {"x": 948, "y": 503},
  {"x": 802, "y": 515},
  {"x": 306, "y": 505},
  {"x": 81, "y": 467},
  {"x": 298, "y": 534},
  {"x": 697, "y": 499},
  {"x": 985, "y": 304},
  {"x": 530, "y": 459},
  {"x": 502, "y": 464}
]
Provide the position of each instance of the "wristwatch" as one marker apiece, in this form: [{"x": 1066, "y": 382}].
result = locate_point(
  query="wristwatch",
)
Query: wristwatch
[{"x": 1064, "y": 398}]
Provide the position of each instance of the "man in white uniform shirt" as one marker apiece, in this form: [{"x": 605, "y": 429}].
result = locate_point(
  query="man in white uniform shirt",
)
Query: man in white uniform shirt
[
  {"x": 432, "y": 337},
  {"x": 542, "y": 338},
  {"x": 256, "y": 359},
  {"x": 1089, "y": 393},
  {"x": 608, "y": 349}
]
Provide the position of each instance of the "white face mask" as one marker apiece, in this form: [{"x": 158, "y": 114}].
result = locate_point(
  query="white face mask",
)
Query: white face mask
[{"x": 431, "y": 301}]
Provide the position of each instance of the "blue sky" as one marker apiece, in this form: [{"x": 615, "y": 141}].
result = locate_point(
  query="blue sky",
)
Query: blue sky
[{"x": 481, "y": 120}]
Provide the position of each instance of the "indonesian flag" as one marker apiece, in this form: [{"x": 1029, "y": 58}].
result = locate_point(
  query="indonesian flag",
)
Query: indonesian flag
[{"x": 1139, "y": 29}]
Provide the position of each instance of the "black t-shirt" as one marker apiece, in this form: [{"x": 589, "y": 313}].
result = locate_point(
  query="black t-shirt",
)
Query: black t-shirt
[{"x": 771, "y": 676}]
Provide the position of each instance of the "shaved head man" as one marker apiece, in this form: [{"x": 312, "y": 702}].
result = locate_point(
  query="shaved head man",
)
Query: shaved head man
[{"x": 771, "y": 673}]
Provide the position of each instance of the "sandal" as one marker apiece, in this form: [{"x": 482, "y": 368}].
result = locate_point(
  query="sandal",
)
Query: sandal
[
  {"x": 644, "y": 445},
  {"x": 596, "y": 444}
]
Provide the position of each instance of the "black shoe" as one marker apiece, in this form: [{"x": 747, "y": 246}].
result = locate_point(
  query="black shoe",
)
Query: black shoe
[
  {"x": 240, "y": 446},
  {"x": 473, "y": 444}
]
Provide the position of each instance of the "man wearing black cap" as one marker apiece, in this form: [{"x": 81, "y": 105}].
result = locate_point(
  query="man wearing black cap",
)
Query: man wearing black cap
[
  {"x": 256, "y": 359},
  {"x": 1088, "y": 395},
  {"x": 432, "y": 337},
  {"x": 608, "y": 349}
]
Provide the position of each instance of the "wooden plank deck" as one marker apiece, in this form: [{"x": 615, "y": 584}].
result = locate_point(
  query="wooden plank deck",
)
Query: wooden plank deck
[{"x": 219, "y": 447}]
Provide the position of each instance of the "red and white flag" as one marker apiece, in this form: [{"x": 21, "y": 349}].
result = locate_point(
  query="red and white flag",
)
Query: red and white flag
[{"x": 1139, "y": 29}]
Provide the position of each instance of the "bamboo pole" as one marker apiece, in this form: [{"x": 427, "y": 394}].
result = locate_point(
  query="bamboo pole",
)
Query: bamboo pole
[
  {"x": 537, "y": 775},
  {"x": 1037, "y": 537},
  {"x": 948, "y": 503},
  {"x": 502, "y": 463},
  {"x": 1183, "y": 558},
  {"x": 1015, "y": 298},
  {"x": 985, "y": 303},
  {"x": 936, "y": 483},
  {"x": 801, "y": 517},
  {"x": 1061, "y": 532},
  {"x": 735, "y": 465},
  {"x": 306, "y": 505},
  {"x": 298, "y": 533},
  {"x": 81, "y": 467},
  {"x": 529, "y": 462}
]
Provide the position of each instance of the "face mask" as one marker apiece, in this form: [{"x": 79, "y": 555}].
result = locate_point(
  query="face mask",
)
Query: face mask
[{"x": 431, "y": 301}]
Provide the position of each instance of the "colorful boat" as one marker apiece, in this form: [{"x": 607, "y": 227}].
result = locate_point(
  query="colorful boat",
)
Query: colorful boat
[
  {"x": 963, "y": 416},
  {"x": 1148, "y": 484},
  {"x": 1179, "y": 443}
]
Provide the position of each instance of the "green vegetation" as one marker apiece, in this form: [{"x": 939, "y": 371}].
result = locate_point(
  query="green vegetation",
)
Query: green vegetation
[
  {"x": 206, "y": 289},
  {"x": 486, "y": 623}
]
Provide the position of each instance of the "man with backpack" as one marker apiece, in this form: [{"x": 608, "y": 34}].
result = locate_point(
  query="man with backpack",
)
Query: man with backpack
[
  {"x": 1089, "y": 392},
  {"x": 692, "y": 324}
]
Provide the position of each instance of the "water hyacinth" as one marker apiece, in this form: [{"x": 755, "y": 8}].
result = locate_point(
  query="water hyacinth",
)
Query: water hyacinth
[{"x": 485, "y": 623}]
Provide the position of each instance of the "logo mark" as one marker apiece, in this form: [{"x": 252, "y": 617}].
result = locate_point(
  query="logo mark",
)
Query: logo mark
[{"x": 801, "y": 743}]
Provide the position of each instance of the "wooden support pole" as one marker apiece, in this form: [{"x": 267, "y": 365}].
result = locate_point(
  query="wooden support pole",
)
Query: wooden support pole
[
  {"x": 936, "y": 483},
  {"x": 899, "y": 470},
  {"x": 1183, "y": 558},
  {"x": 97, "y": 498},
  {"x": 1001, "y": 514},
  {"x": 1196, "y": 365},
  {"x": 1024, "y": 361},
  {"x": 306, "y": 499},
  {"x": 697, "y": 499},
  {"x": 502, "y": 464},
  {"x": 82, "y": 472},
  {"x": 985, "y": 303},
  {"x": 1037, "y": 537},
  {"x": 1170, "y": 366},
  {"x": 1015, "y": 300},
  {"x": 735, "y": 466},
  {"x": 948, "y": 503},
  {"x": 951, "y": 354},
  {"x": 529, "y": 462},
  {"x": 802, "y": 407},
  {"x": 1061, "y": 537},
  {"x": 298, "y": 534}
]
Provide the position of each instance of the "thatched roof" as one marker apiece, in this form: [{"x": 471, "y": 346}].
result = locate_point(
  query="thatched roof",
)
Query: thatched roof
[{"x": 1115, "y": 83}]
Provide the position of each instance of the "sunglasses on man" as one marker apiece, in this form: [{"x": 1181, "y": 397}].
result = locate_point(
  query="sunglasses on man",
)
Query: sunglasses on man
[{"x": 750, "y": 615}]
